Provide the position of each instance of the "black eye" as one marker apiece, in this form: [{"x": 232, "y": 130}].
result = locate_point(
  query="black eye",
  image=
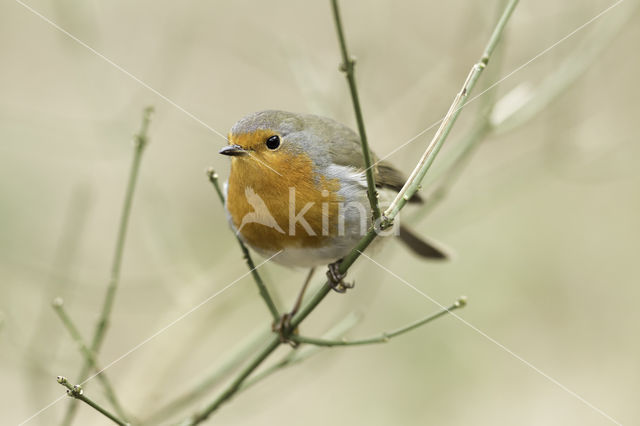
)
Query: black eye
[{"x": 273, "y": 142}]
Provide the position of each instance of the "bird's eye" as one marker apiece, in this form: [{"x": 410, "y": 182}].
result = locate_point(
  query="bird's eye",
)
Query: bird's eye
[{"x": 273, "y": 142}]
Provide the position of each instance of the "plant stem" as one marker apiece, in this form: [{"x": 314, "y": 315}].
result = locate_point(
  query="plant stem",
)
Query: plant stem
[
  {"x": 566, "y": 73},
  {"x": 140, "y": 142},
  {"x": 298, "y": 355},
  {"x": 348, "y": 66},
  {"x": 44, "y": 345},
  {"x": 262, "y": 288},
  {"x": 89, "y": 356},
  {"x": 453, "y": 165},
  {"x": 347, "y": 261},
  {"x": 415, "y": 179},
  {"x": 384, "y": 337},
  {"x": 233, "y": 387},
  {"x": 76, "y": 391},
  {"x": 232, "y": 361},
  {"x": 275, "y": 341},
  {"x": 293, "y": 357}
]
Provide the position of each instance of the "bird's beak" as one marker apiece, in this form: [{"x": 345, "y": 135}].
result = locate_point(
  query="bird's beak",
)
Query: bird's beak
[{"x": 233, "y": 150}]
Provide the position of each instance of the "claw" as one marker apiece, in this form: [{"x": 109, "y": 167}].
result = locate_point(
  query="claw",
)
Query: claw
[
  {"x": 283, "y": 328},
  {"x": 336, "y": 279}
]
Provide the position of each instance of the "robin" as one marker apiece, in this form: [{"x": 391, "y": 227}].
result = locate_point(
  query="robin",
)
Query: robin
[{"x": 297, "y": 187}]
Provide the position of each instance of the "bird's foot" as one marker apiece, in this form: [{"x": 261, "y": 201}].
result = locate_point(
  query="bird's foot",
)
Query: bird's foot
[
  {"x": 336, "y": 279},
  {"x": 283, "y": 327}
]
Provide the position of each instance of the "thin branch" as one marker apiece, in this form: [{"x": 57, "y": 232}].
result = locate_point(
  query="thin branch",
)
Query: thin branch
[
  {"x": 453, "y": 170},
  {"x": 347, "y": 66},
  {"x": 140, "y": 142},
  {"x": 44, "y": 345},
  {"x": 495, "y": 121},
  {"x": 233, "y": 387},
  {"x": 296, "y": 356},
  {"x": 262, "y": 288},
  {"x": 76, "y": 391},
  {"x": 453, "y": 165},
  {"x": 239, "y": 383},
  {"x": 58, "y": 306},
  {"x": 348, "y": 260},
  {"x": 231, "y": 362},
  {"x": 384, "y": 337},
  {"x": 415, "y": 179},
  {"x": 567, "y": 73}
]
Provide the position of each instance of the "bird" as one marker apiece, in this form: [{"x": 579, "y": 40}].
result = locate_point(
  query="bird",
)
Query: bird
[{"x": 297, "y": 188}]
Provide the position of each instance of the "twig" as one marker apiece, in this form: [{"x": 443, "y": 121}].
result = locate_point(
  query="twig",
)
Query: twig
[
  {"x": 347, "y": 66},
  {"x": 572, "y": 68},
  {"x": 415, "y": 179},
  {"x": 232, "y": 361},
  {"x": 239, "y": 382},
  {"x": 453, "y": 165},
  {"x": 140, "y": 141},
  {"x": 58, "y": 306},
  {"x": 494, "y": 122},
  {"x": 346, "y": 263},
  {"x": 384, "y": 337},
  {"x": 296, "y": 356},
  {"x": 76, "y": 391},
  {"x": 233, "y": 387},
  {"x": 44, "y": 345},
  {"x": 262, "y": 288}
]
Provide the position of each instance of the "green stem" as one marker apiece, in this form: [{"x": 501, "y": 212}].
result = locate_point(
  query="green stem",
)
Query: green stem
[
  {"x": 566, "y": 73},
  {"x": 140, "y": 141},
  {"x": 275, "y": 341},
  {"x": 233, "y": 387},
  {"x": 455, "y": 166},
  {"x": 348, "y": 66},
  {"x": 384, "y": 337},
  {"x": 89, "y": 356},
  {"x": 348, "y": 260},
  {"x": 322, "y": 292},
  {"x": 262, "y": 288},
  {"x": 44, "y": 345},
  {"x": 231, "y": 362},
  {"x": 416, "y": 177},
  {"x": 572, "y": 68},
  {"x": 76, "y": 391},
  {"x": 298, "y": 355},
  {"x": 293, "y": 357}
]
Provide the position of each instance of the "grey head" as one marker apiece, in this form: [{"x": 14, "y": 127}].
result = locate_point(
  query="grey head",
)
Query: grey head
[{"x": 325, "y": 140}]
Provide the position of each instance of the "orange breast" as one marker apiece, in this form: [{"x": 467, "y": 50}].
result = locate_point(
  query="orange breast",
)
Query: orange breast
[{"x": 262, "y": 203}]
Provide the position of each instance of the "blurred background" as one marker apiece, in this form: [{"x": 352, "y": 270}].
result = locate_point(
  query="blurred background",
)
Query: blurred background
[{"x": 544, "y": 219}]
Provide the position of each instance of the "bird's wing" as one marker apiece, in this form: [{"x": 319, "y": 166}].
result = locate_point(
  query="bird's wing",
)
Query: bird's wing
[{"x": 349, "y": 153}]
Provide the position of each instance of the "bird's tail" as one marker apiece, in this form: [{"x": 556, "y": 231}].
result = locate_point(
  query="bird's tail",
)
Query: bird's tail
[{"x": 419, "y": 246}]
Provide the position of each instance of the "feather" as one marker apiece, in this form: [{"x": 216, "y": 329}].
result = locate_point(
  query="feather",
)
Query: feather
[{"x": 421, "y": 247}]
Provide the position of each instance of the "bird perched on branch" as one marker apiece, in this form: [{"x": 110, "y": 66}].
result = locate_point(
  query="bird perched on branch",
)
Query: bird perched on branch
[{"x": 298, "y": 187}]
